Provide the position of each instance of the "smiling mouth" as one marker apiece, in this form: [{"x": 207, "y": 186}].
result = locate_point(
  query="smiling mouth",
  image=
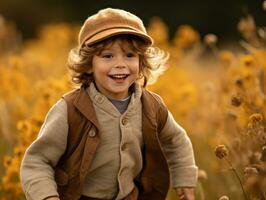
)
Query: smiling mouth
[{"x": 118, "y": 76}]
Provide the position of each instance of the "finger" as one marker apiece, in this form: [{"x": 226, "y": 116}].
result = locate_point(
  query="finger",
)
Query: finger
[{"x": 181, "y": 197}]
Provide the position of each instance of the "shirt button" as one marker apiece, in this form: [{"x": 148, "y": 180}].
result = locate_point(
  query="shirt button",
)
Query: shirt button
[
  {"x": 92, "y": 133},
  {"x": 124, "y": 121}
]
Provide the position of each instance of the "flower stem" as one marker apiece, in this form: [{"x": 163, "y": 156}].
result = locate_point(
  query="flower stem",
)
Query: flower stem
[{"x": 238, "y": 178}]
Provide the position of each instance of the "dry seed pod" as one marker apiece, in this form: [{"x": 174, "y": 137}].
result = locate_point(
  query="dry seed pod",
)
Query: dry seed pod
[
  {"x": 202, "y": 175},
  {"x": 221, "y": 151},
  {"x": 236, "y": 100}
]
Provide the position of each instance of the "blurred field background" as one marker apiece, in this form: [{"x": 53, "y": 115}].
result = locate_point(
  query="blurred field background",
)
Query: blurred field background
[{"x": 215, "y": 90}]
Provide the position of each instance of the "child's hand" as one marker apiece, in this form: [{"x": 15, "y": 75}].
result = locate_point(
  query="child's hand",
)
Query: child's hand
[{"x": 185, "y": 193}]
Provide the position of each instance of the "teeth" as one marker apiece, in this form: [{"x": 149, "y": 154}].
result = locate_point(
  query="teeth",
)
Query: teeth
[{"x": 119, "y": 75}]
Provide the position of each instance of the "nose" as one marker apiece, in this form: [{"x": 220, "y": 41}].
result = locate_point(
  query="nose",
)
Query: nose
[
  {"x": 120, "y": 63},
  {"x": 120, "y": 66}
]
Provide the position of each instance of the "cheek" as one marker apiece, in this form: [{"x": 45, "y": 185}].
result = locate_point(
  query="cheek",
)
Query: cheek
[
  {"x": 137, "y": 66},
  {"x": 99, "y": 70},
  {"x": 100, "y": 74},
  {"x": 135, "y": 69},
  {"x": 139, "y": 69}
]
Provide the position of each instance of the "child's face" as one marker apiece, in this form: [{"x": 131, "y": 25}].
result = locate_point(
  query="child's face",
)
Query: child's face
[{"x": 115, "y": 69}]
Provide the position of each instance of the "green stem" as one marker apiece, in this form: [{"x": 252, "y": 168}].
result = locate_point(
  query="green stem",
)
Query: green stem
[
  {"x": 201, "y": 191},
  {"x": 238, "y": 178}
]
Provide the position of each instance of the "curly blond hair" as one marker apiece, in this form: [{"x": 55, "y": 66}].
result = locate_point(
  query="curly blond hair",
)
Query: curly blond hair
[{"x": 152, "y": 59}]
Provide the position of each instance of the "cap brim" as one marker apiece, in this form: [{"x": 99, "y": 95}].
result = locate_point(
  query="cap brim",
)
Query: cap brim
[{"x": 117, "y": 31}]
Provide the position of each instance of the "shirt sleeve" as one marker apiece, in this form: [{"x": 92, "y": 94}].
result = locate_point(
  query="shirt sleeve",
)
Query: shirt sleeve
[
  {"x": 179, "y": 154},
  {"x": 36, "y": 172}
]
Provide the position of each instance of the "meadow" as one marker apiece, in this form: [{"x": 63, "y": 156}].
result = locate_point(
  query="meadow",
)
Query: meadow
[{"x": 217, "y": 95}]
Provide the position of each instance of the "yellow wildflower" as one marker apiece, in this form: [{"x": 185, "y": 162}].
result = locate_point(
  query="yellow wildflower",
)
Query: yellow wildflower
[
  {"x": 226, "y": 57},
  {"x": 247, "y": 61},
  {"x": 7, "y": 161},
  {"x": 186, "y": 37}
]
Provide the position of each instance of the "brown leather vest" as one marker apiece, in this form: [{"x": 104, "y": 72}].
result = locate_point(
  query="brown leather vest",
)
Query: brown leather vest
[{"x": 83, "y": 139}]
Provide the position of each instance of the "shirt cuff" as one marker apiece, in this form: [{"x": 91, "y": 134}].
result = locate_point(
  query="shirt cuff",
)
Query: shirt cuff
[
  {"x": 184, "y": 177},
  {"x": 41, "y": 190}
]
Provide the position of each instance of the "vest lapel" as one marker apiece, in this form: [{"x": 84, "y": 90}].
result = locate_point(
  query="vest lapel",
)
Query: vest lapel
[
  {"x": 154, "y": 179},
  {"x": 86, "y": 109},
  {"x": 149, "y": 122}
]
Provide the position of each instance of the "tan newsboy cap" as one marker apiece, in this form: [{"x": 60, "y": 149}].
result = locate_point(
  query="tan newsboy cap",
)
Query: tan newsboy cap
[{"x": 109, "y": 22}]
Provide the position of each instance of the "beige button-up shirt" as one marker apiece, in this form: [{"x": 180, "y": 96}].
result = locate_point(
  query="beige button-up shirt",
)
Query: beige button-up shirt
[{"x": 118, "y": 159}]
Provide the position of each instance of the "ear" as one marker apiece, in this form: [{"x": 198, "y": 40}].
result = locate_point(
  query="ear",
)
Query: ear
[
  {"x": 141, "y": 69},
  {"x": 90, "y": 70}
]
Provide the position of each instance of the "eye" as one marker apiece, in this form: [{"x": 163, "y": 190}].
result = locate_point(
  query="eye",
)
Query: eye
[
  {"x": 107, "y": 55},
  {"x": 131, "y": 54}
]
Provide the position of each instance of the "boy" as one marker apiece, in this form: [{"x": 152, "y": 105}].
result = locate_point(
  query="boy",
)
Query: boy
[{"x": 111, "y": 138}]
